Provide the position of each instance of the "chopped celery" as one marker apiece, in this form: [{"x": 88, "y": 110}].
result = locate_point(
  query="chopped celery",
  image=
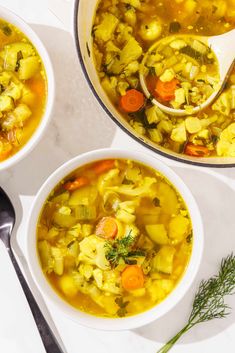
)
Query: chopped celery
[{"x": 85, "y": 213}]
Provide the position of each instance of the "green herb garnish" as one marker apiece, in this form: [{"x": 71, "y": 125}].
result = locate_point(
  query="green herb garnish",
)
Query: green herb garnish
[
  {"x": 120, "y": 249},
  {"x": 201, "y": 58},
  {"x": 19, "y": 57},
  {"x": 6, "y": 30},
  {"x": 122, "y": 306},
  {"x": 209, "y": 301}
]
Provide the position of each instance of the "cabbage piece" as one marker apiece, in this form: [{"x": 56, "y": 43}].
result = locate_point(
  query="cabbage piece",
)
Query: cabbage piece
[
  {"x": 126, "y": 210},
  {"x": 108, "y": 179},
  {"x": 226, "y": 144},
  {"x": 92, "y": 251},
  {"x": 106, "y": 28},
  {"x": 86, "y": 271},
  {"x": 131, "y": 52},
  {"x": 144, "y": 189},
  {"x": 111, "y": 282}
]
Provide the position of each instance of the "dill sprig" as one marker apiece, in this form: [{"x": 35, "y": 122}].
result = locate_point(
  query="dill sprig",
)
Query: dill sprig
[
  {"x": 209, "y": 302},
  {"x": 120, "y": 249}
]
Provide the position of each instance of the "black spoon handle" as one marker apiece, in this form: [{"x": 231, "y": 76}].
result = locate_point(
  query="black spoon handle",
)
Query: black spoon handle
[{"x": 48, "y": 338}]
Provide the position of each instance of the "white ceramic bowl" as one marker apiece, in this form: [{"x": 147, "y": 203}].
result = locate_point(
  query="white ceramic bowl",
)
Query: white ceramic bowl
[
  {"x": 139, "y": 319},
  {"x": 84, "y": 12},
  {"x": 12, "y": 18}
]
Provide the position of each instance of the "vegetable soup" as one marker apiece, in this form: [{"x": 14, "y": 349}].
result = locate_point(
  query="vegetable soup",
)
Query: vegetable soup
[
  {"x": 114, "y": 238},
  {"x": 181, "y": 72},
  {"x": 23, "y": 90}
]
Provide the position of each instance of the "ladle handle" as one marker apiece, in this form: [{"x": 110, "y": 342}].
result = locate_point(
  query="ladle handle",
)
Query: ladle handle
[{"x": 48, "y": 338}]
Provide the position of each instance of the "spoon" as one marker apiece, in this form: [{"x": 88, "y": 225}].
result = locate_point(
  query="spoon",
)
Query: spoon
[
  {"x": 7, "y": 221},
  {"x": 223, "y": 47}
]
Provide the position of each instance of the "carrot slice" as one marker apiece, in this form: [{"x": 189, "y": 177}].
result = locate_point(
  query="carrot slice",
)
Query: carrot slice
[
  {"x": 103, "y": 166},
  {"x": 76, "y": 184},
  {"x": 132, "y": 277},
  {"x": 132, "y": 101},
  {"x": 196, "y": 151},
  {"x": 107, "y": 228},
  {"x": 166, "y": 90}
]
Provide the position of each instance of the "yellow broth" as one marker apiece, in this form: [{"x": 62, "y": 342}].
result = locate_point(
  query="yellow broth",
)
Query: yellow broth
[
  {"x": 120, "y": 269},
  {"x": 23, "y": 90},
  {"x": 124, "y": 30}
]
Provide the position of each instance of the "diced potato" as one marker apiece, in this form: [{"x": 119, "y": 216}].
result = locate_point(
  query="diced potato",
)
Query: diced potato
[
  {"x": 179, "y": 133},
  {"x": 154, "y": 114},
  {"x": 52, "y": 233},
  {"x": 168, "y": 75},
  {"x": 130, "y": 16},
  {"x": 158, "y": 233},
  {"x": 22, "y": 112},
  {"x": 193, "y": 125},
  {"x": 178, "y": 44},
  {"x": 6, "y": 103},
  {"x": 68, "y": 286},
  {"x": 168, "y": 199},
  {"x": 11, "y": 54},
  {"x": 84, "y": 196},
  {"x": 13, "y": 91},
  {"x": 63, "y": 220},
  {"x": 163, "y": 261},
  {"x": 155, "y": 135},
  {"x": 178, "y": 228},
  {"x": 134, "y": 3},
  {"x": 110, "y": 89},
  {"x": 5, "y": 78},
  {"x": 27, "y": 96},
  {"x": 28, "y": 67},
  {"x": 179, "y": 96}
]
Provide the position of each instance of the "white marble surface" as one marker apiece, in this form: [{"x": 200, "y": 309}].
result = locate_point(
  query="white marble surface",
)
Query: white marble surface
[{"x": 79, "y": 125}]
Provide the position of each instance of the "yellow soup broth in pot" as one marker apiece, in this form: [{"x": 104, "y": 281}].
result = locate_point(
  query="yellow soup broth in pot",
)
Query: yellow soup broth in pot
[{"x": 181, "y": 75}]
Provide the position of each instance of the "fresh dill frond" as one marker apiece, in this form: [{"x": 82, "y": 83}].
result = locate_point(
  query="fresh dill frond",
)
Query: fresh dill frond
[
  {"x": 122, "y": 311},
  {"x": 121, "y": 249},
  {"x": 209, "y": 302}
]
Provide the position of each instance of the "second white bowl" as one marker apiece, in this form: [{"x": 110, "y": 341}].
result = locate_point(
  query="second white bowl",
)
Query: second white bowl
[{"x": 139, "y": 319}]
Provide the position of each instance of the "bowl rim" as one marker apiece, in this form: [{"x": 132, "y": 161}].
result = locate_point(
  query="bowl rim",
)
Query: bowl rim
[
  {"x": 181, "y": 288},
  {"x": 116, "y": 120},
  {"x": 12, "y": 18}
]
